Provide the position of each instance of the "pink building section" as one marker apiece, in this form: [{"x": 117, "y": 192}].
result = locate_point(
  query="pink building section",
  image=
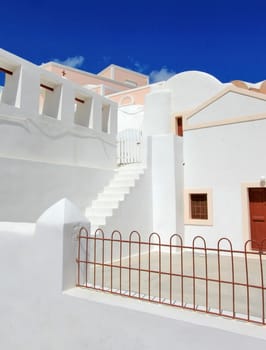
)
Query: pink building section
[
  {"x": 111, "y": 80},
  {"x": 129, "y": 97}
]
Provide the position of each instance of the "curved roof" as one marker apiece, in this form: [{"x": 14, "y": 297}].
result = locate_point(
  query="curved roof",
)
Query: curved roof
[{"x": 191, "y": 88}]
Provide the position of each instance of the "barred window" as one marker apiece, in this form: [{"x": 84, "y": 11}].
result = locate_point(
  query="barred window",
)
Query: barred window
[{"x": 199, "y": 206}]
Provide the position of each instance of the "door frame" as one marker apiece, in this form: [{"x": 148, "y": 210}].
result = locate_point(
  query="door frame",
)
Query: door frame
[{"x": 246, "y": 229}]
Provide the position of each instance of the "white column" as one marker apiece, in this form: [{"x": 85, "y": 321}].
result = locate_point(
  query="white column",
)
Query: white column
[
  {"x": 166, "y": 159},
  {"x": 30, "y": 89},
  {"x": 113, "y": 119},
  {"x": 97, "y": 113},
  {"x": 67, "y": 103}
]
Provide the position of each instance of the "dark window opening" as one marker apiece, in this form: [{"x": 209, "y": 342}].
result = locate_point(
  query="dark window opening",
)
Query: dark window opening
[
  {"x": 179, "y": 126},
  {"x": 199, "y": 206}
]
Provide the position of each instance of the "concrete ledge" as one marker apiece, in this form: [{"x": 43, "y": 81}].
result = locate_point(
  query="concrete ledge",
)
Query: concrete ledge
[{"x": 169, "y": 312}]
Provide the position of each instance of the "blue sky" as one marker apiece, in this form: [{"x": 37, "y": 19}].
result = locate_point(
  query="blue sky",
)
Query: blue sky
[{"x": 158, "y": 38}]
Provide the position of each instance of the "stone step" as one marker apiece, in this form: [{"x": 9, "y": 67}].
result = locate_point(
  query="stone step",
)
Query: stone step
[
  {"x": 117, "y": 189},
  {"x": 98, "y": 211},
  {"x": 123, "y": 176},
  {"x": 112, "y": 196},
  {"x": 105, "y": 203},
  {"x": 130, "y": 172},
  {"x": 96, "y": 220},
  {"x": 118, "y": 182}
]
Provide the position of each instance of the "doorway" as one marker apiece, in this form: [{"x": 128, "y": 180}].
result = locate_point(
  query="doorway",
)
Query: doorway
[{"x": 257, "y": 209}]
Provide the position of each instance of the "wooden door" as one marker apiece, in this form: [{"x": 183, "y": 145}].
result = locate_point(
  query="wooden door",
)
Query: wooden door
[{"x": 257, "y": 207}]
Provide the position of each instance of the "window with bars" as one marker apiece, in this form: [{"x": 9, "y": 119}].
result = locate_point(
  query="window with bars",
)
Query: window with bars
[{"x": 199, "y": 206}]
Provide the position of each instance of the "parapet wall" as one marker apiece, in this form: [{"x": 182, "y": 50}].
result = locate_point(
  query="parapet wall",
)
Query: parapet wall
[{"x": 46, "y": 117}]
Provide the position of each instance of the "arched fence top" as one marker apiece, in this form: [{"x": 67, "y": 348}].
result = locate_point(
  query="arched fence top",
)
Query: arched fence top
[
  {"x": 135, "y": 233},
  {"x": 226, "y": 240},
  {"x": 178, "y": 237},
  {"x": 199, "y": 238},
  {"x": 190, "y": 276},
  {"x": 152, "y": 236},
  {"x": 116, "y": 233}
]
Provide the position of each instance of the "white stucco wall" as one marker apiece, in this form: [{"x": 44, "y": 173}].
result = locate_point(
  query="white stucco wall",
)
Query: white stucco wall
[
  {"x": 48, "y": 140},
  {"x": 166, "y": 161},
  {"x": 27, "y": 188},
  {"x": 40, "y": 308},
  {"x": 157, "y": 113},
  {"x": 222, "y": 158},
  {"x": 130, "y": 117},
  {"x": 231, "y": 105}
]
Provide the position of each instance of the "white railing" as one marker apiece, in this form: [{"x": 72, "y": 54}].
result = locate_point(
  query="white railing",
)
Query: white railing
[{"x": 129, "y": 146}]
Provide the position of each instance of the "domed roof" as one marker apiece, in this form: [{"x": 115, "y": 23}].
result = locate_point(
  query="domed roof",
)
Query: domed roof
[{"x": 190, "y": 89}]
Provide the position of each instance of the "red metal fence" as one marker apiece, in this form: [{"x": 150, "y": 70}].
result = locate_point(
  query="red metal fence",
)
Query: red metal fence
[{"x": 219, "y": 281}]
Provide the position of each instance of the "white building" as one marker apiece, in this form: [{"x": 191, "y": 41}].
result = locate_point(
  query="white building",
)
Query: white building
[
  {"x": 183, "y": 156},
  {"x": 202, "y": 150}
]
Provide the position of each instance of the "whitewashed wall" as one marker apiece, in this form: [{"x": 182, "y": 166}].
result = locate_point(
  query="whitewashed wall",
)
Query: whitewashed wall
[
  {"x": 41, "y": 309},
  {"x": 27, "y": 188},
  {"x": 222, "y": 158},
  {"x": 166, "y": 152},
  {"x": 229, "y": 106}
]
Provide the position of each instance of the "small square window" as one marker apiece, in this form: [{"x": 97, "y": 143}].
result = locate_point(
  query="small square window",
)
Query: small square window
[{"x": 199, "y": 206}]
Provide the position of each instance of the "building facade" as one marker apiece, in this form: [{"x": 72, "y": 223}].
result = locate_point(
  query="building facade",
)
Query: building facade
[{"x": 195, "y": 147}]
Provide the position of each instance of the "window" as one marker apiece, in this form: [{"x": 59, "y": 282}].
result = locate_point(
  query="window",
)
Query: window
[
  {"x": 131, "y": 83},
  {"x": 198, "y": 207},
  {"x": 83, "y": 107},
  {"x": 179, "y": 126},
  {"x": 49, "y": 99}
]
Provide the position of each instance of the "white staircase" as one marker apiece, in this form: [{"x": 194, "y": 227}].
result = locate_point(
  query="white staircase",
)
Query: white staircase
[{"x": 121, "y": 184}]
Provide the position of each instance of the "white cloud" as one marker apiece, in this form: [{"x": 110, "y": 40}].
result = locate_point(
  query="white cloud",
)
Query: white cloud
[
  {"x": 139, "y": 67},
  {"x": 73, "y": 62},
  {"x": 163, "y": 74},
  {"x": 136, "y": 65}
]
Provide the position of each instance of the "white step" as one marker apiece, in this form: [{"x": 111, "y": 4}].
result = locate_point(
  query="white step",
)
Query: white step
[
  {"x": 130, "y": 171},
  {"x": 122, "y": 183},
  {"x": 115, "y": 196},
  {"x": 105, "y": 203},
  {"x": 118, "y": 182},
  {"x": 116, "y": 189},
  {"x": 96, "y": 211},
  {"x": 124, "y": 175},
  {"x": 96, "y": 220}
]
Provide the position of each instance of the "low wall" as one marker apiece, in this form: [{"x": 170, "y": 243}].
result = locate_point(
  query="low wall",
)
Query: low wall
[
  {"x": 43, "y": 138},
  {"x": 40, "y": 308}
]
